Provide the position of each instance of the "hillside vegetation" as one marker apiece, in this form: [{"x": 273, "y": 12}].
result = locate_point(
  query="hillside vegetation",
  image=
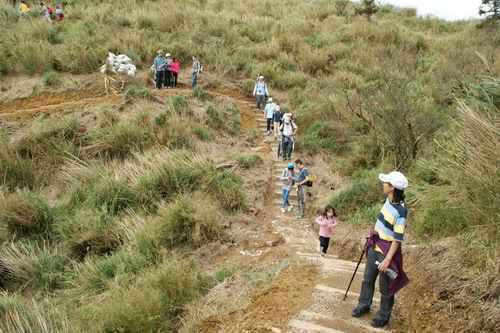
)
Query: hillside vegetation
[{"x": 399, "y": 92}]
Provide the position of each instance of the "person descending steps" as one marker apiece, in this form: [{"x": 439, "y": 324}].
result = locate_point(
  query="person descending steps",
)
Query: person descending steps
[
  {"x": 384, "y": 247},
  {"x": 159, "y": 69},
  {"x": 260, "y": 92},
  {"x": 287, "y": 130},
  {"x": 268, "y": 114},
  {"x": 327, "y": 222},
  {"x": 277, "y": 117},
  {"x": 288, "y": 179}
]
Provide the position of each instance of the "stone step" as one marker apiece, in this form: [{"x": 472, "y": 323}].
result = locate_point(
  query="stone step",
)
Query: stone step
[
  {"x": 310, "y": 327},
  {"x": 292, "y": 194},
  {"x": 335, "y": 322}
]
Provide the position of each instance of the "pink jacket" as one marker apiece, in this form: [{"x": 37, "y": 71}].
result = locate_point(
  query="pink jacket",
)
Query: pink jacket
[
  {"x": 326, "y": 225},
  {"x": 176, "y": 67}
]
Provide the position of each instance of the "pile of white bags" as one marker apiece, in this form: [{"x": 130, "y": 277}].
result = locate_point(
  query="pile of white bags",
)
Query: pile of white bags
[{"x": 119, "y": 64}]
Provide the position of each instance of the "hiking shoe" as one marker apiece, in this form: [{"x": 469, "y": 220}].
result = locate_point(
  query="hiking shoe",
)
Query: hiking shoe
[
  {"x": 323, "y": 254},
  {"x": 359, "y": 311},
  {"x": 300, "y": 216},
  {"x": 290, "y": 208},
  {"x": 282, "y": 210},
  {"x": 377, "y": 322}
]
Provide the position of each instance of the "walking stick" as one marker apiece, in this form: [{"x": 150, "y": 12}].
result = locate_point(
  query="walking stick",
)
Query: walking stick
[{"x": 359, "y": 261}]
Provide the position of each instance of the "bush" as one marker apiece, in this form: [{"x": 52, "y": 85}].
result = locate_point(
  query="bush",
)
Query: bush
[
  {"x": 117, "y": 141},
  {"x": 33, "y": 265},
  {"x": 190, "y": 220},
  {"x": 179, "y": 103},
  {"x": 50, "y": 78},
  {"x": 24, "y": 213},
  {"x": 150, "y": 304},
  {"x": 245, "y": 161},
  {"x": 199, "y": 93},
  {"x": 16, "y": 172},
  {"x": 134, "y": 92},
  {"x": 321, "y": 136}
]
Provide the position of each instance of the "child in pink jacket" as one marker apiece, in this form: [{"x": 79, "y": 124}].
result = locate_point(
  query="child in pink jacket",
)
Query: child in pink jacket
[{"x": 327, "y": 222}]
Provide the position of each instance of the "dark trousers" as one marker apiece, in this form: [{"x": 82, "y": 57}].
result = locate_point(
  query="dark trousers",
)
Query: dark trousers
[
  {"x": 174, "y": 81},
  {"x": 261, "y": 99},
  {"x": 269, "y": 122},
  {"x": 368, "y": 285},
  {"x": 324, "y": 242},
  {"x": 168, "y": 78},
  {"x": 160, "y": 77}
]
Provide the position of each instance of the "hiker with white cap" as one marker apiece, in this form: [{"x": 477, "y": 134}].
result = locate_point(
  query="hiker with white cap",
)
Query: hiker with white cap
[
  {"x": 287, "y": 130},
  {"x": 277, "y": 118},
  {"x": 260, "y": 91},
  {"x": 159, "y": 69},
  {"x": 383, "y": 251},
  {"x": 288, "y": 179},
  {"x": 268, "y": 114}
]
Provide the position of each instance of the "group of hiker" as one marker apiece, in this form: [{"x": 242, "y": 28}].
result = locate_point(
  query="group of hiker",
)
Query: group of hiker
[
  {"x": 166, "y": 71},
  {"x": 47, "y": 12},
  {"x": 383, "y": 246}
]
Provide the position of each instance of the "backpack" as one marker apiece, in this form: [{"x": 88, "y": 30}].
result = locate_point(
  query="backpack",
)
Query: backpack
[
  {"x": 49, "y": 9},
  {"x": 200, "y": 66},
  {"x": 310, "y": 182},
  {"x": 61, "y": 15}
]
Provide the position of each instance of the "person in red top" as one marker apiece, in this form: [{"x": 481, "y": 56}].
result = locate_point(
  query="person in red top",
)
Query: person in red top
[
  {"x": 327, "y": 222},
  {"x": 176, "y": 67}
]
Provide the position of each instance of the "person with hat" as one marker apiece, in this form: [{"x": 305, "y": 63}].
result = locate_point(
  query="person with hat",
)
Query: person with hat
[
  {"x": 383, "y": 251},
  {"x": 287, "y": 130},
  {"x": 168, "y": 71},
  {"x": 288, "y": 179},
  {"x": 260, "y": 92},
  {"x": 277, "y": 118},
  {"x": 268, "y": 114},
  {"x": 159, "y": 69}
]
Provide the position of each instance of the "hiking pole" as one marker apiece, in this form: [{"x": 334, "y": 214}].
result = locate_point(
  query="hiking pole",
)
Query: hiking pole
[{"x": 359, "y": 261}]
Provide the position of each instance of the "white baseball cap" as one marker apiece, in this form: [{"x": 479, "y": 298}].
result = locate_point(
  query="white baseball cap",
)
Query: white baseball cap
[
  {"x": 167, "y": 55},
  {"x": 395, "y": 178},
  {"x": 270, "y": 99},
  {"x": 261, "y": 77}
]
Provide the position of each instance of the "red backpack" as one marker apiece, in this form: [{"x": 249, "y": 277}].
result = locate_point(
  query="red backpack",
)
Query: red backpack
[{"x": 49, "y": 9}]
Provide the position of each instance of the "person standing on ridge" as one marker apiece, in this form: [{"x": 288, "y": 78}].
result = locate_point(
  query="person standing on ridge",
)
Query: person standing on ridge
[
  {"x": 24, "y": 9},
  {"x": 302, "y": 180},
  {"x": 260, "y": 91},
  {"x": 288, "y": 178},
  {"x": 277, "y": 117},
  {"x": 195, "y": 71},
  {"x": 176, "y": 67},
  {"x": 159, "y": 69},
  {"x": 268, "y": 114},
  {"x": 168, "y": 70},
  {"x": 383, "y": 251}
]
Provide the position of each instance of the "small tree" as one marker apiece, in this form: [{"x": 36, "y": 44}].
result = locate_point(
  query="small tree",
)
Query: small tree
[
  {"x": 341, "y": 7},
  {"x": 490, "y": 8},
  {"x": 367, "y": 8}
]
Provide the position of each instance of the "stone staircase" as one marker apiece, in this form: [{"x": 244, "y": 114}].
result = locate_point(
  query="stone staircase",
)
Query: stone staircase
[{"x": 328, "y": 312}]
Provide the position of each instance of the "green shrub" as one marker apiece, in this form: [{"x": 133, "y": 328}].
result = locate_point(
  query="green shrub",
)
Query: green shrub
[
  {"x": 15, "y": 171},
  {"x": 226, "y": 187},
  {"x": 215, "y": 118},
  {"x": 24, "y": 213},
  {"x": 88, "y": 232},
  {"x": 363, "y": 191},
  {"x": 117, "y": 141},
  {"x": 50, "y": 78},
  {"x": 245, "y": 161},
  {"x": 35, "y": 265},
  {"x": 150, "y": 304},
  {"x": 179, "y": 103},
  {"x": 202, "y": 133},
  {"x": 190, "y": 220},
  {"x": 321, "y": 136},
  {"x": 199, "y": 93},
  {"x": 224, "y": 273},
  {"x": 111, "y": 196},
  {"x": 134, "y": 92}
]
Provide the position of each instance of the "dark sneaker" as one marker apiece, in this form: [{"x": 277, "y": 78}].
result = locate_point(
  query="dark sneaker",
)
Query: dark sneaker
[
  {"x": 377, "y": 322},
  {"x": 359, "y": 311}
]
